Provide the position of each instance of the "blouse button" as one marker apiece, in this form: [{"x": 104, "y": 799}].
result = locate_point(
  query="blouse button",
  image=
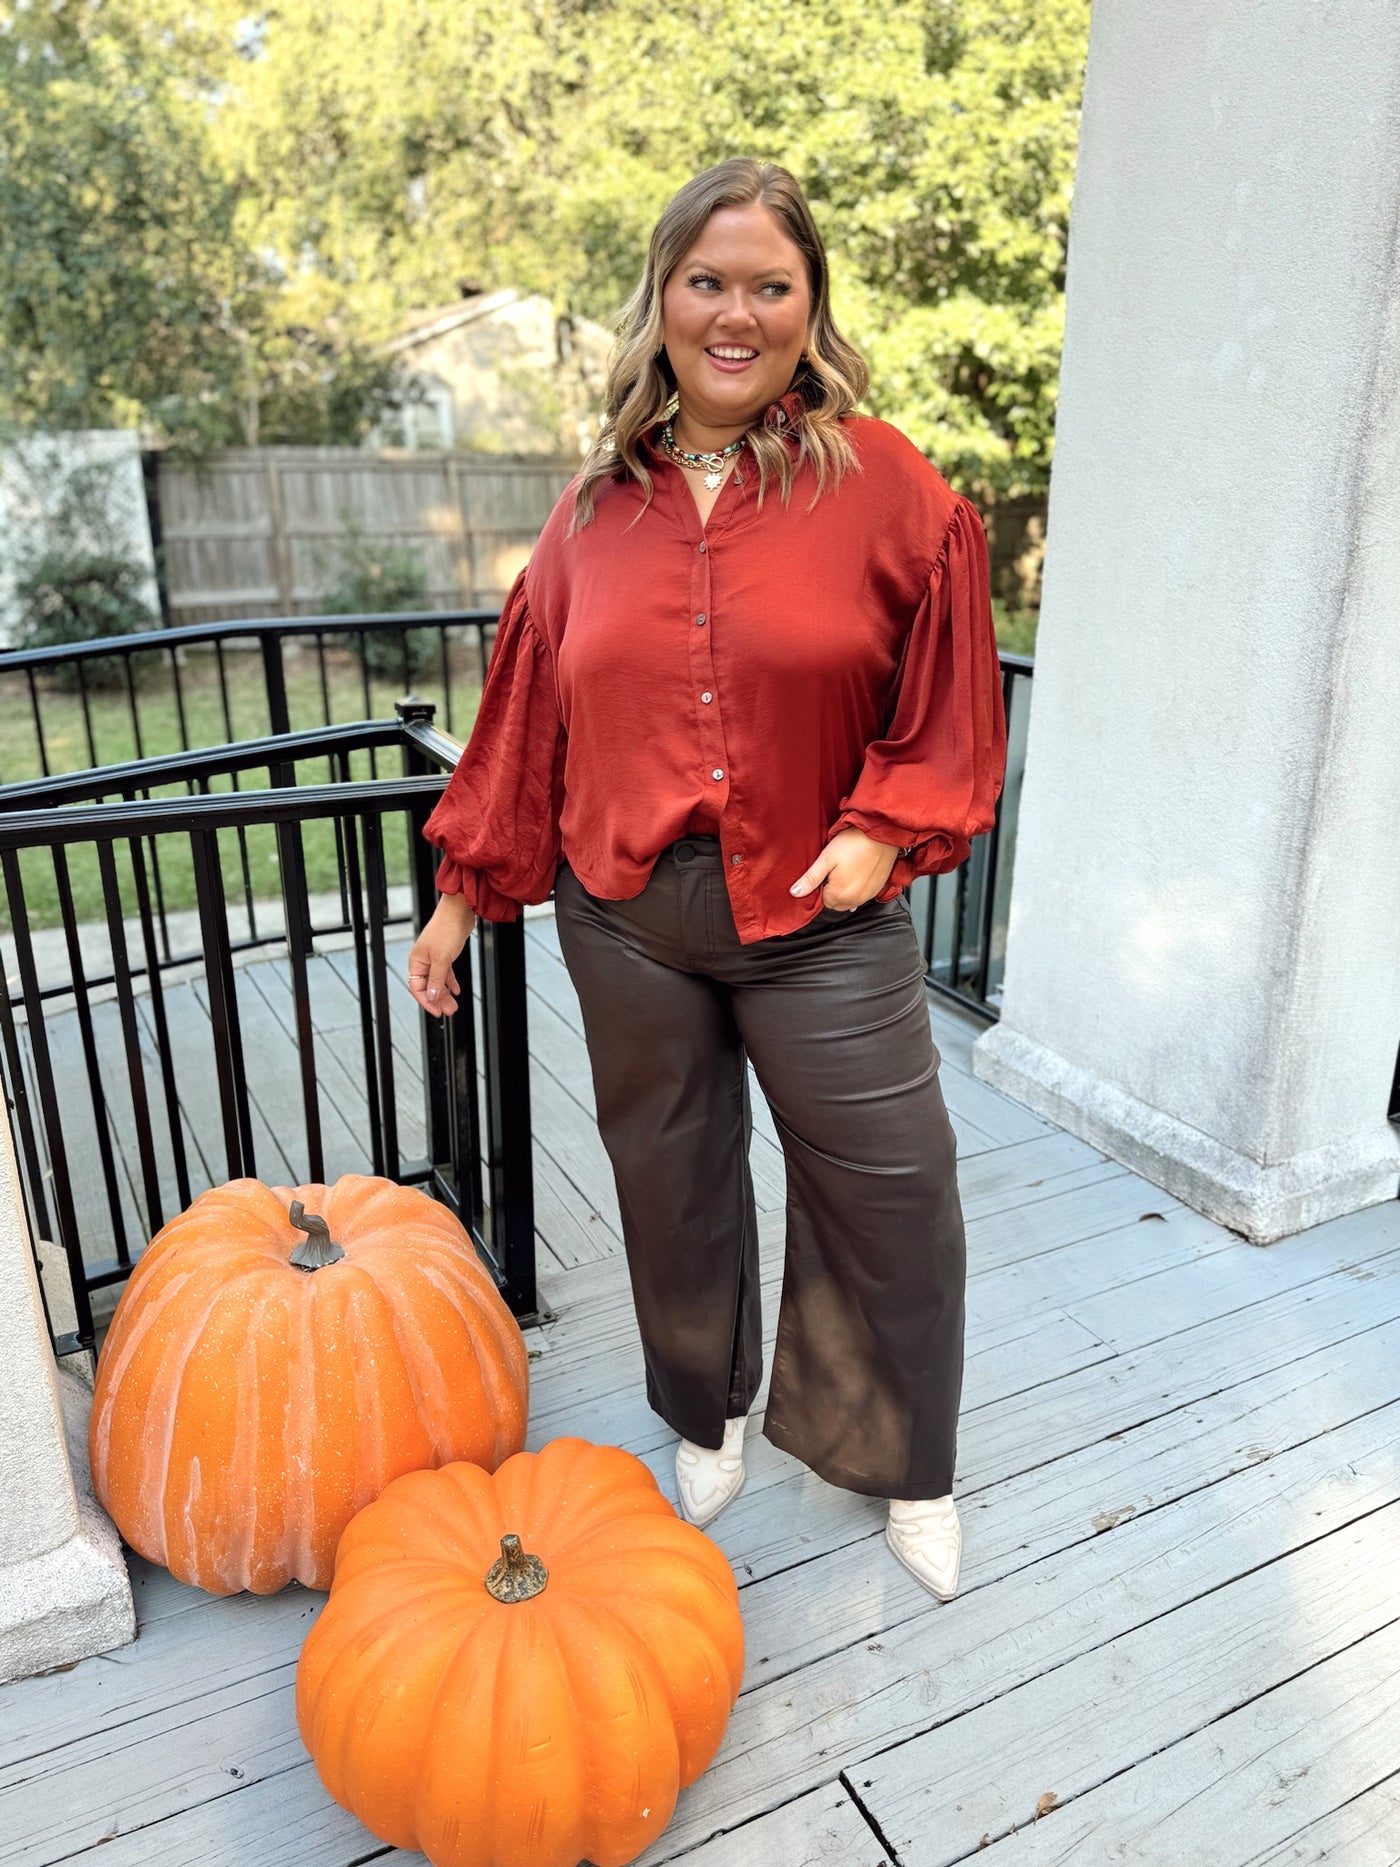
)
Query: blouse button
[
  {"x": 736, "y": 858},
  {"x": 707, "y": 698},
  {"x": 700, "y": 620},
  {"x": 716, "y": 773},
  {"x": 702, "y": 547}
]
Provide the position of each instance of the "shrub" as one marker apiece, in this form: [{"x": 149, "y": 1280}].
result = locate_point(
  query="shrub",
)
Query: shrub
[
  {"x": 70, "y": 595},
  {"x": 373, "y": 578}
]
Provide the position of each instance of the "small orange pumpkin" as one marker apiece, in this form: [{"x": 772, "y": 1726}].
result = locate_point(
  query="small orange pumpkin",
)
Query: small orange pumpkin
[
  {"x": 521, "y": 1669},
  {"x": 258, "y": 1386}
]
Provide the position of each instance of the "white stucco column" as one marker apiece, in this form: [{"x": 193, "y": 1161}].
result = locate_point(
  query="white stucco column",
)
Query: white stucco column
[
  {"x": 64, "y": 1589},
  {"x": 1203, "y": 959}
]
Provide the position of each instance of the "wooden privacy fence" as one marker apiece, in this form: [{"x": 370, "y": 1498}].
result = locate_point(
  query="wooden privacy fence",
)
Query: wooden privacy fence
[
  {"x": 1016, "y": 547},
  {"x": 254, "y": 531}
]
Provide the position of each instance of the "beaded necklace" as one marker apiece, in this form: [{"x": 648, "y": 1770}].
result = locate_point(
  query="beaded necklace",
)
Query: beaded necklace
[{"x": 714, "y": 462}]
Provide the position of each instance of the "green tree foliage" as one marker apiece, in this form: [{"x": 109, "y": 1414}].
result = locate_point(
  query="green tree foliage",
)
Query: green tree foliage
[
  {"x": 113, "y": 228},
  {"x": 129, "y": 291},
  {"x": 381, "y": 154},
  {"x": 533, "y": 144}
]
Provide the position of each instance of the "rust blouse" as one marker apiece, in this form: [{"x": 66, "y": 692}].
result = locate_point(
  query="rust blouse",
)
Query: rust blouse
[{"x": 770, "y": 678}]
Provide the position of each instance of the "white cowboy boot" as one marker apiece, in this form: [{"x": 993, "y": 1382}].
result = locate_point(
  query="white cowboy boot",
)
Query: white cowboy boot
[
  {"x": 926, "y": 1537},
  {"x": 709, "y": 1477}
]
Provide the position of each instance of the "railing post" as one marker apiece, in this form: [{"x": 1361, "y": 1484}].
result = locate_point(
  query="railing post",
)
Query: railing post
[
  {"x": 442, "y": 1154},
  {"x": 505, "y": 1034},
  {"x": 65, "y": 1214},
  {"x": 223, "y": 1004},
  {"x": 279, "y": 721},
  {"x": 274, "y": 681},
  {"x": 982, "y": 983},
  {"x": 992, "y": 857},
  {"x": 508, "y": 1145}
]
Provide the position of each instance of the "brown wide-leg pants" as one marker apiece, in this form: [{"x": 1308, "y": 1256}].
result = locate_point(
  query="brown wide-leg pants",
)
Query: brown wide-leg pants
[{"x": 868, "y": 1358}]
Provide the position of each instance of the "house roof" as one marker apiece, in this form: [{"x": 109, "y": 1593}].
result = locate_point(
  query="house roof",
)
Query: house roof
[{"x": 420, "y": 327}]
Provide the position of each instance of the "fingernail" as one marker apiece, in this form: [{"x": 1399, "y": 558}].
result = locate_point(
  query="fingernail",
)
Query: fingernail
[
  {"x": 432, "y": 991},
  {"x": 798, "y": 888}
]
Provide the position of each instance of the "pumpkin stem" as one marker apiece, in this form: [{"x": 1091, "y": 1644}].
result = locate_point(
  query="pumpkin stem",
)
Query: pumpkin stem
[
  {"x": 515, "y": 1576},
  {"x": 318, "y": 1248}
]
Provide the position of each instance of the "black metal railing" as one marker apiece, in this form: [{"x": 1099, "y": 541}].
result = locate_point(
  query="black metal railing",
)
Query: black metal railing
[
  {"x": 218, "y": 682},
  {"x": 278, "y": 673},
  {"x": 285, "y": 683},
  {"x": 126, "y": 1103},
  {"x": 282, "y": 760},
  {"x": 962, "y": 916}
]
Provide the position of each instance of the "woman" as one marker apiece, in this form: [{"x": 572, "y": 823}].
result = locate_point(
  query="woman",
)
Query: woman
[{"x": 744, "y": 691}]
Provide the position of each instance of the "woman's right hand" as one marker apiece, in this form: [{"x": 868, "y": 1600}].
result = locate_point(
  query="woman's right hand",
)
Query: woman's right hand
[{"x": 431, "y": 978}]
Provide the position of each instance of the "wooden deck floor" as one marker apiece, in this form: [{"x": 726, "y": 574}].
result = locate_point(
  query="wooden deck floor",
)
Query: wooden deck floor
[{"x": 1177, "y": 1637}]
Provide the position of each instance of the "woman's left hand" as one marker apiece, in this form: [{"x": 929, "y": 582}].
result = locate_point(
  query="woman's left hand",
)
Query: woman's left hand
[{"x": 853, "y": 868}]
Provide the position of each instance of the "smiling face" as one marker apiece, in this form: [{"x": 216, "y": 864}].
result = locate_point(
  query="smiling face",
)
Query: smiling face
[{"x": 735, "y": 316}]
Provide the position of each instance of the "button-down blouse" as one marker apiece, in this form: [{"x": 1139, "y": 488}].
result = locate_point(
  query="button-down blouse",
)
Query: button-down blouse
[{"x": 771, "y": 677}]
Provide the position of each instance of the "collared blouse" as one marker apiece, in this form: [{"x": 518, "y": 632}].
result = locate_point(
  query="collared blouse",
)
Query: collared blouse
[{"x": 772, "y": 677}]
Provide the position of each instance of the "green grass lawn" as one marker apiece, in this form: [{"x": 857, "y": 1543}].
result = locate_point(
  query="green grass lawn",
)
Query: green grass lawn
[
  {"x": 115, "y": 738},
  {"x": 342, "y": 696}
]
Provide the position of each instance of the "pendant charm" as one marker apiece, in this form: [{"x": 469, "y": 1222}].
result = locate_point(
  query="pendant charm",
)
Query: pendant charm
[{"x": 714, "y": 465}]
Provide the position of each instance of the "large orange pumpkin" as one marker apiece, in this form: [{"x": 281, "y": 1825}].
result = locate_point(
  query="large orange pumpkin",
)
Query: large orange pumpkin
[
  {"x": 521, "y": 1670},
  {"x": 262, "y": 1380}
]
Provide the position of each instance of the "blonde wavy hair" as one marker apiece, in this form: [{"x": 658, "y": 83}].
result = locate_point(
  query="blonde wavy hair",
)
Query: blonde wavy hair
[{"x": 641, "y": 386}]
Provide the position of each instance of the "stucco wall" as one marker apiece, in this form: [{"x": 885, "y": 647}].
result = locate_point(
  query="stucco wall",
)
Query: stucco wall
[{"x": 1207, "y": 892}]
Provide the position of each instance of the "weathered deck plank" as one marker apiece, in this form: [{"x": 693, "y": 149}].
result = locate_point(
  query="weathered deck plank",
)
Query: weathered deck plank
[
  {"x": 1011, "y": 1356},
  {"x": 784, "y": 1521},
  {"x": 1024, "y": 1172},
  {"x": 823, "y": 1829},
  {"x": 1179, "y": 1473},
  {"x": 1290, "y": 1756},
  {"x": 795, "y": 1732},
  {"x": 982, "y": 1776},
  {"x": 1068, "y": 1612},
  {"x": 1362, "y": 1833},
  {"x": 84, "y": 1161}
]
